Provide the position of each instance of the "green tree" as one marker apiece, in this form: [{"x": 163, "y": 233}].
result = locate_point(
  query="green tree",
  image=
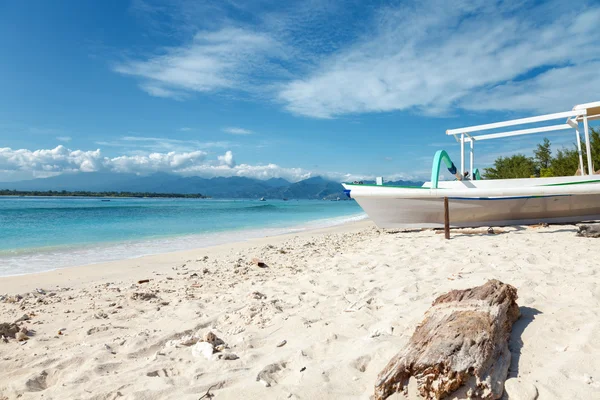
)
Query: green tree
[
  {"x": 565, "y": 163},
  {"x": 595, "y": 146},
  {"x": 543, "y": 156},
  {"x": 517, "y": 166}
]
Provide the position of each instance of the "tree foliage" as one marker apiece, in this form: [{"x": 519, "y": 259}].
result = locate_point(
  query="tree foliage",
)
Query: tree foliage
[
  {"x": 517, "y": 166},
  {"x": 565, "y": 161},
  {"x": 543, "y": 154}
]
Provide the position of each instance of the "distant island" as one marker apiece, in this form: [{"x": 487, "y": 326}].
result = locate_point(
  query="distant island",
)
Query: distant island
[
  {"x": 65, "y": 193},
  {"x": 234, "y": 187}
]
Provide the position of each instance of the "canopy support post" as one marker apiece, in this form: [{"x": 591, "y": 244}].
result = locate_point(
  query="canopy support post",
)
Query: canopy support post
[
  {"x": 588, "y": 148},
  {"x": 472, "y": 158},
  {"x": 581, "y": 167},
  {"x": 462, "y": 155}
]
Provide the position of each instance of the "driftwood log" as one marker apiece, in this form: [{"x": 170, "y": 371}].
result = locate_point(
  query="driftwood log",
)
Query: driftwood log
[
  {"x": 461, "y": 343},
  {"x": 589, "y": 231}
]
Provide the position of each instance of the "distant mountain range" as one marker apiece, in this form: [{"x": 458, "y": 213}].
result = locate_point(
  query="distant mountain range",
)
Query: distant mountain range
[{"x": 231, "y": 187}]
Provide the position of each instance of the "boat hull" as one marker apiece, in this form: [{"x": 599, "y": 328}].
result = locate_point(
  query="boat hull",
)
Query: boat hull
[{"x": 475, "y": 212}]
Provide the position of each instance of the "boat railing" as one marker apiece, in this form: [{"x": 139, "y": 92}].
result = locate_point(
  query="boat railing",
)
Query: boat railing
[{"x": 580, "y": 113}]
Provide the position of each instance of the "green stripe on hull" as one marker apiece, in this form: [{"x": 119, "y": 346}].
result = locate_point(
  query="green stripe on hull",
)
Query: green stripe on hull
[{"x": 571, "y": 183}]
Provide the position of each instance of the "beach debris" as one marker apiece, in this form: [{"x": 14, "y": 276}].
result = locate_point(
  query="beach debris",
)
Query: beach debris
[
  {"x": 40, "y": 291},
  {"x": 12, "y": 299},
  {"x": 462, "y": 342},
  {"x": 302, "y": 369},
  {"x": 21, "y": 336},
  {"x": 540, "y": 225},
  {"x": 474, "y": 231},
  {"x": 208, "y": 395},
  {"x": 257, "y": 295},
  {"x": 100, "y": 315},
  {"x": 24, "y": 317},
  {"x": 259, "y": 263},
  {"x": 267, "y": 375},
  {"x": 282, "y": 343},
  {"x": 9, "y": 330},
  {"x": 589, "y": 231},
  {"x": 143, "y": 296},
  {"x": 228, "y": 356},
  {"x": 516, "y": 389},
  {"x": 143, "y": 281},
  {"x": 221, "y": 347},
  {"x": 203, "y": 349},
  {"x": 211, "y": 338}
]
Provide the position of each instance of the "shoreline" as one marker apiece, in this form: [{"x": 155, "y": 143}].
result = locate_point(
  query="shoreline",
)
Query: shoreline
[
  {"x": 145, "y": 247},
  {"x": 26, "y": 282}
]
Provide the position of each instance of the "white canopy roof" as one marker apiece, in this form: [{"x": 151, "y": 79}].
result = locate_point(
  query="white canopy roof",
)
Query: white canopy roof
[
  {"x": 592, "y": 110},
  {"x": 580, "y": 113}
]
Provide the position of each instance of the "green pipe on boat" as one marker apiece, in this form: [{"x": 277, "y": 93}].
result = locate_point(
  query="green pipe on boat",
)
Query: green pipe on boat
[
  {"x": 440, "y": 156},
  {"x": 476, "y": 175}
]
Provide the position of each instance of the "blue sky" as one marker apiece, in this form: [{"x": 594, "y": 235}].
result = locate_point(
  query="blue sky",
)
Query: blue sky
[{"x": 345, "y": 89}]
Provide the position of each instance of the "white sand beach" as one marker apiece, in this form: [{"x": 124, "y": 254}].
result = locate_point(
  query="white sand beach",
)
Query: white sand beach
[{"x": 319, "y": 321}]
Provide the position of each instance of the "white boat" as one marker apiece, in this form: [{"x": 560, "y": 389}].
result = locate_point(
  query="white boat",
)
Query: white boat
[{"x": 475, "y": 202}]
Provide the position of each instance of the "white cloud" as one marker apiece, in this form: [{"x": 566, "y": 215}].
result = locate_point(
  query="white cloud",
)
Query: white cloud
[
  {"x": 59, "y": 159},
  {"x": 237, "y": 131},
  {"x": 227, "y": 159},
  {"x": 185, "y": 129},
  {"x": 433, "y": 55},
  {"x": 63, "y": 138},
  {"x": 228, "y": 58},
  {"x": 23, "y": 163}
]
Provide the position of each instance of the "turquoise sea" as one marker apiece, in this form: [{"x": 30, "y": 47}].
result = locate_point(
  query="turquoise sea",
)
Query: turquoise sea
[{"x": 40, "y": 234}]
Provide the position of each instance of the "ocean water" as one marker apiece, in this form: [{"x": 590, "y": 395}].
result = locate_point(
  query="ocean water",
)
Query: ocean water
[{"x": 40, "y": 234}]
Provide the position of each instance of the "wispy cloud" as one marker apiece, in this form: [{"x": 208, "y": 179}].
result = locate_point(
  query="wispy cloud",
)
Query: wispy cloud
[
  {"x": 63, "y": 138},
  {"x": 434, "y": 55},
  {"x": 226, "y": 59},
  {"x": 429, "y": 57},
  {"x": 159, "y": 144},
  {"x": 185, "y": 129},
  {"x": 237, "y": 131}
]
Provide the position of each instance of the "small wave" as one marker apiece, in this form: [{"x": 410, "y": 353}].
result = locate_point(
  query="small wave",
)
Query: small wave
[{"x": 261, "y": 207}]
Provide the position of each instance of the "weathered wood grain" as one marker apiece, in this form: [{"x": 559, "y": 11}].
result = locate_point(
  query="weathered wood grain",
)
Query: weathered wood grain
[{"x": 461, "y": 343}]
